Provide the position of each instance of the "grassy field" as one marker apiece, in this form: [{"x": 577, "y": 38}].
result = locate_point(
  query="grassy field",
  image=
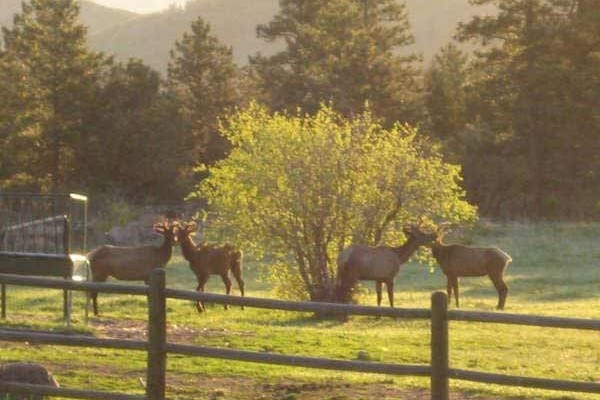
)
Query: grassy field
[{"x": 556, "y": 272}]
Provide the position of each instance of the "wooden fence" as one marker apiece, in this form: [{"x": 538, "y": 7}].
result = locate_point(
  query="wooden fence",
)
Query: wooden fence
[{"x": 158, "y": 347}]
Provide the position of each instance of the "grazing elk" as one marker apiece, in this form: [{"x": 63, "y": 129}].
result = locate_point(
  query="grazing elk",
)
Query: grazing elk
[
  {"x": 208, "y": 259},
  {"x": 380, "y": 264},
  {"x": 463, "y": 261},
  {"x": 130, "y": 263}
]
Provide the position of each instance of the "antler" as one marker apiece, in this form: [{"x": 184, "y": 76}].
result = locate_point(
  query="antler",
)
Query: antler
[
  {"x": 444, "y": 228},
  {"x": 163, "y": 226},
  {"x": 188, "y": 227}
]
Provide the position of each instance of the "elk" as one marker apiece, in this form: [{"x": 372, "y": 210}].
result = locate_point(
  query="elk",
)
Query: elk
[
  {"x": 130, "y": 263},
  {"x": 380, "y": 264},
  {"x": 209, "y": 259},
  {"x": 464, "y": 261}
]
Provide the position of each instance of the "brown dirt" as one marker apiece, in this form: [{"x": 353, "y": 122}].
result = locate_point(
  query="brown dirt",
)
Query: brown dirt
[
  {"x": 137, "y": 330},
  {"x": 180, "y": 387}
]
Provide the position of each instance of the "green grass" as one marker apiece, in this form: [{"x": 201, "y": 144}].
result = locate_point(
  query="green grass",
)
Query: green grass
[{"x": 555, "y": 272}]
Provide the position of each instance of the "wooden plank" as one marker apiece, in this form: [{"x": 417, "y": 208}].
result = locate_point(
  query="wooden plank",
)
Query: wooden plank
[
  {"x": 17, "y": 387},
  {"x": 303, "y": 306},
  {"x": 3, "y": 301},
  {"x": 299, "y": 361},
  {"x": 522, "y": 381},
  {"x": 16, "y": 335},
  {"x": 51, "y": 283},
  {"x": 520, "y": 319}
]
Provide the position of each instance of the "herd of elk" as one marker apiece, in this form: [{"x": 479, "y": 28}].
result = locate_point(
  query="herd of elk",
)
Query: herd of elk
[
  {"x": 134, "y": 263},
  {"x": 355, "y": 263}
]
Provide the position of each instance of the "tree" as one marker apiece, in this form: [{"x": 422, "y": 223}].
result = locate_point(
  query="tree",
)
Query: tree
[
  {"x": 301, "y": 188},
  {"x": 446, "y": 98},
  {"x": 49, "y": 79},
  {"x": 139, "y": 146},
  {"x": 202, "y": 74},
  {"x": 531, "y": 81},
  {"x": 345, "y": 51}
]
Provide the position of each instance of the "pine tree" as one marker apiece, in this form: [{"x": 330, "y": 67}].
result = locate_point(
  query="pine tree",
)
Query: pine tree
[
  {"x": 348, "y": 52},
  {"x": 49, "y": 79},
  {"x": 202, "y": 75},
  {"x": 446, "y": 98},
  {"x": 522, "y": 78},
  {"x": 139, "y": 148}
]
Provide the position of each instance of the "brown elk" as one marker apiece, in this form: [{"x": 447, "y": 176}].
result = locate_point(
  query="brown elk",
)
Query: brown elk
[
  {"x": 464, "y": 261},
  {"x": 130, "y": 263},
  {"x": 380, "y": 264},
  {"x": 209, "y": 259}
]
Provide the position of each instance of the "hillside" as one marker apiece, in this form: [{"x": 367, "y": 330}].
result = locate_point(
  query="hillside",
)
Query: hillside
[
  {"x": 96, "y": 17},
  {"x": 151, "y": 36}
]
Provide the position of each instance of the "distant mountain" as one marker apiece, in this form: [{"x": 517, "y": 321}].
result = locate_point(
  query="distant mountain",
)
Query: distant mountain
[
  {"x": 151, "y": 36},
  {"x": 96, "y": 17}
]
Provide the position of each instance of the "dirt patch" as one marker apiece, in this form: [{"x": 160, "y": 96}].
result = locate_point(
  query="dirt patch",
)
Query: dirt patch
[
  {"x": 184, "y": 387},
  {"x": 138, "y": 330}
]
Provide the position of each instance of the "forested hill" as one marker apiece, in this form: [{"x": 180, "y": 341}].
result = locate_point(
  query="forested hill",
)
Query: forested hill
[{"x": 151, "y": 36}]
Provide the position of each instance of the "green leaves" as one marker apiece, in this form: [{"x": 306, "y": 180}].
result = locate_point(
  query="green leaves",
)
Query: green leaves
[
  {"x": 203, "y": 76},
  {"x": 302, "y": 187},
  {"x": 49, "y": 79},
  {"x": 344, "y": 51}
]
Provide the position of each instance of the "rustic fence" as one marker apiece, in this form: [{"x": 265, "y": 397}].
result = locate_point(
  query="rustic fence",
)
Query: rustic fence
[{"x": 157, "y": 346}]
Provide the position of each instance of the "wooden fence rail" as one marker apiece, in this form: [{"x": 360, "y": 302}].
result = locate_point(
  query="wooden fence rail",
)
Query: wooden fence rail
[{"x": 158, "y": 348}]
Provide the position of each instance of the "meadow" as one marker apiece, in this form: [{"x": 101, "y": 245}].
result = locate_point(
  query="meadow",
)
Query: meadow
[{"x": 555, "y": 272}]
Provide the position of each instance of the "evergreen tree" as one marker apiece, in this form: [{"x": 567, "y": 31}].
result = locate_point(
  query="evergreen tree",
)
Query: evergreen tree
[
  {"x": 446, "y": 98},
  {"x": 348, "y": 52},
  {"x": 524, "y": 97},
  {"x": 202, "y": 75},
  {"x": 139, "y": 148},
  {"x": 49, "y": 80}
]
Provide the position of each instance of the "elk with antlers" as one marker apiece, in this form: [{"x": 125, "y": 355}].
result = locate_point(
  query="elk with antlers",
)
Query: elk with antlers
[
  {"x": 131, "y": 263},
  {"x": 380, "y": 264},
  {"x": 463, "y": 261},
  {"x": 209, "y": 259}
]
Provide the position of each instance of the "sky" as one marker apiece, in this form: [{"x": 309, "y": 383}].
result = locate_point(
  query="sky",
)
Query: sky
[{"x": 140, "y": 6}]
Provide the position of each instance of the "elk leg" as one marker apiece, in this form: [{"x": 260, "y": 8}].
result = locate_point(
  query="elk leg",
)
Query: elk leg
[
  {"x": 453, "y": 281},
  {"x": 502, "y": 290},
  {"x": 94, "y": 295},
  {"x": 201, "y": 283},
  {"x": 378, "y": 286},
  {"x": 237, "y": 274},
  {"x": 390, "y": 289},
  {"x": 449, "y": 290},
  {"x": 227, "y": 283}
]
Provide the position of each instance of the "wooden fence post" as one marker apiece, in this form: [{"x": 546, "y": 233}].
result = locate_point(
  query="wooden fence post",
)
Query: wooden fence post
[
  {"x": 157, "y": 336},
  {"x": 67, "y": 252},
  {"x": 439, "y": 346},
  {"x": 3, "y": 301}
]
